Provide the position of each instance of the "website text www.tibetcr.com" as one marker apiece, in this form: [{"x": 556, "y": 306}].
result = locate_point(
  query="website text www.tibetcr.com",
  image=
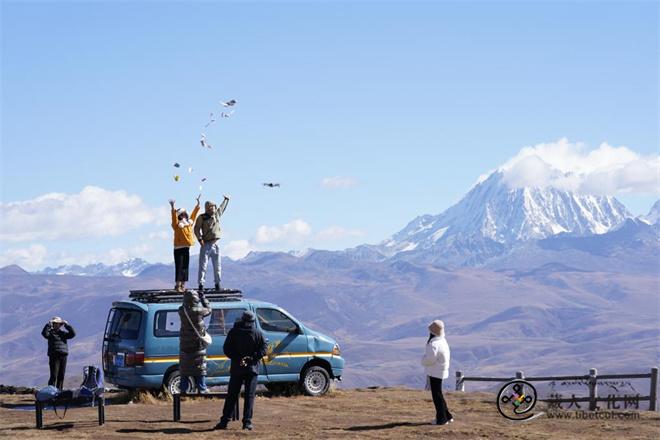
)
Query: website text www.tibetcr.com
[{"x": 593, "y": 415}]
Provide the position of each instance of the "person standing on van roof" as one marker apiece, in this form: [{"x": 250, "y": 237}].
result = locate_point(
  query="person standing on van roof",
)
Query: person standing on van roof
[
  {"x": 207, "y": 231},
  {"x": 183, "y": 239},
  {"x": 436, "y": 366},
  {"x": 192, "y": 349},
  {"x": 58, "y": 349},
  {"x": 245, "y": 346}
]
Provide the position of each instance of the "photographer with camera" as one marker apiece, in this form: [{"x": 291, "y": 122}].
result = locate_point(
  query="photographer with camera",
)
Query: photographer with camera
[
  {"x": 58, "y": 332},
  {"x": 245, "y": 346}
]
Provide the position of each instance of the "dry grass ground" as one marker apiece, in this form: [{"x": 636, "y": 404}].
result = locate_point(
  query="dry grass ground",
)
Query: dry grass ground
[{"x": 390, "y": 413}]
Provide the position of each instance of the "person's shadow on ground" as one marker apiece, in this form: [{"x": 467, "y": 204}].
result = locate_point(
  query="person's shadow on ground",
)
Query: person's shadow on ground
[{"x": 382, "y": 426}]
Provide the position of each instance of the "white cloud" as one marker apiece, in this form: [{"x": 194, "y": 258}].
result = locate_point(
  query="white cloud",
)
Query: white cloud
[
  {"x": 337, "y": 232},
  {"x": 573, "y": 167},
  {"x": 93, "y": 212},
  {"x": 29, "y": 258},
  {"x": 289, "y": 233},
  {"x": 339, "y": 182},
  {"x": 297, "y": 234},
  {"x": 237, "y": 249}
]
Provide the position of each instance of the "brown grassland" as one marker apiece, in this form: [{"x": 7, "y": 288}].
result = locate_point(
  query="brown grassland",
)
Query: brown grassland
[{"x": 384, "y": 413}]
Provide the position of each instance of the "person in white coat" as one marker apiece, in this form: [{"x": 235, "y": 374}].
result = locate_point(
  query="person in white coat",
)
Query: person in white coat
[{"x": 436, "y": 367}]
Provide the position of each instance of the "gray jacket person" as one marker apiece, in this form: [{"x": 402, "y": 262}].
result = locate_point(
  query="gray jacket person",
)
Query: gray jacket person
[{"x": 207, "y": 231}]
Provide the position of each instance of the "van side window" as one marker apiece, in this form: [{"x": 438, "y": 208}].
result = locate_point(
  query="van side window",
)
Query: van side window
[
  {"x": 275, "y": 321},
  {"x": 222, "y": 320},
  {"x": 125, "y": 324},
  {"x": 167, "y": 323}
]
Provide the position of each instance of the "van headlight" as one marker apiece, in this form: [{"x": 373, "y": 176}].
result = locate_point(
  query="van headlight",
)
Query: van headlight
[{"x": 335, "y": 350}]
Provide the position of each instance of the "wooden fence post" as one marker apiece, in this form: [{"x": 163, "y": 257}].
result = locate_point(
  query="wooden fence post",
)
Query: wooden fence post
[
  {"x": 460, "y": 384},
  {"x": 593, "y": 389},
  {"x": 654, "y": 389}
]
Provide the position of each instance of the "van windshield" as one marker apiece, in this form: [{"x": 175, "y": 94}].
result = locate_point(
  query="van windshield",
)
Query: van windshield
[{"x": 123, "y": 324}]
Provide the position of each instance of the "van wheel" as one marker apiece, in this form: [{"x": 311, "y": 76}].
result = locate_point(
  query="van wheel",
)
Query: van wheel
[
  {"x": 173, "y": 382},
  {"x": 315, "y": 381}
]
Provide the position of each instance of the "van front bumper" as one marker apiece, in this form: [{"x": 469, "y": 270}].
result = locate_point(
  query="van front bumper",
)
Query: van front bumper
[{"x": 337, "y": 365}]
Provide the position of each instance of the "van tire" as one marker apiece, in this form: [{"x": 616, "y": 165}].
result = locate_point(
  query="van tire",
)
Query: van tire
[
  {"x": 171, "y": 383},
  {"x": 315, "y": 381}
]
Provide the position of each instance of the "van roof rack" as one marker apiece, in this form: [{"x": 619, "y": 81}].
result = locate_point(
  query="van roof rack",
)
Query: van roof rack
[{"x": 171, "y": 295}]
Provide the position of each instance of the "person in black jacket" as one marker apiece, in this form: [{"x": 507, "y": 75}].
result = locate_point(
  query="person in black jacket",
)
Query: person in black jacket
[
  {"x": 58, "y": 350},
  {"x": 245, "y": 346}
]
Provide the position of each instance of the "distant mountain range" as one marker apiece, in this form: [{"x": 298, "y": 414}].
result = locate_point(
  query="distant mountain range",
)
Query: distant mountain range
[
  {"x": 540, "y": 280},
  {"x": 128, "y": 268},
  {"x": 492, "y": 224}
]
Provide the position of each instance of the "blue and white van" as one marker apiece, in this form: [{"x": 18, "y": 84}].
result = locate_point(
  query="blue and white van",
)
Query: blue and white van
[{"x": 141, "y": 344}]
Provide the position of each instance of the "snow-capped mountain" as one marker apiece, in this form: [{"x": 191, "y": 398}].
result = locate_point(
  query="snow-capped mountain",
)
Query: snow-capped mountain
[
  {"x": 492, "y": 218},
  {"x": 129, "y": 268},
  {"x": 654, "y": 214}
]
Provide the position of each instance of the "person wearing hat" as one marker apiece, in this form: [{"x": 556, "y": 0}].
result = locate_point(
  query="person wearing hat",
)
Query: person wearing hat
[
  {"x": 58, "y": 350},
  {"x": 183, "y": 239},
  {"x": 436, "y": 367},
  {"x": 245, "y": 346},
  {"x": 207, "y": 231},
  {"x": 192, "y": 348}
]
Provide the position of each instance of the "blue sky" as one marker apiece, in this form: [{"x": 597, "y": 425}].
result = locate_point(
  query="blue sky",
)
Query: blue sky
[{"x": 409, "y": 102}]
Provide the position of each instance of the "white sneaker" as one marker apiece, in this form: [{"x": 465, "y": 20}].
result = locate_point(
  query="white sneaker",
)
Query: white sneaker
[{"x": 435, "y": 422}]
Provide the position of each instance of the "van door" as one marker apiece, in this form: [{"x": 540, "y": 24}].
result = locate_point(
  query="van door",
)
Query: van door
[
  {"x": 222, "y": 320},
  {"x": 122, "y": 337},
  {"x": 287, "y": 345}
]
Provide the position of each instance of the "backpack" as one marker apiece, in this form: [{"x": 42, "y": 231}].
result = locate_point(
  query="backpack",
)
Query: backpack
[
  {"x": 46, "y": 394},
  {"x": 92, "y": 384}
]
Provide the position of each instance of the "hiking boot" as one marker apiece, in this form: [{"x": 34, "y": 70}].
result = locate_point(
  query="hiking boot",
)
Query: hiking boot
[
  {"x": 222, "y": 424},
  {"x": 248, "y": 426},
  {"x": 217, "y": 287}
]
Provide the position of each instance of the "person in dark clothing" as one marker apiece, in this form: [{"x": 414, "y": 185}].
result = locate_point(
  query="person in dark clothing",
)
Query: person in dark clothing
[
  {"x": 245, "y": 346},
  {"x": 192, "y": 349},
  {"x": 58, "y": 350}
]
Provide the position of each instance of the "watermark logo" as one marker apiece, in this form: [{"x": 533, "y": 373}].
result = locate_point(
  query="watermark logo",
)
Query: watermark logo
[{"x": 516, "y": 400}]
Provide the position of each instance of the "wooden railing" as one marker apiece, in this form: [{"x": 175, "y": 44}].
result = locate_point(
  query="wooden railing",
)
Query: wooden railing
[{"x": 591, "y": 379}]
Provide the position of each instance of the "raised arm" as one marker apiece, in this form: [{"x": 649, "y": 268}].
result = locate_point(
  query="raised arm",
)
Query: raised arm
[
  {"x": 223, "y": 206},
  {"x": 193, "y": 215},
  {"x": 46, "y": 331},
  {"x": 71, "y": 332},
  {"x": 175, "y": 220}
]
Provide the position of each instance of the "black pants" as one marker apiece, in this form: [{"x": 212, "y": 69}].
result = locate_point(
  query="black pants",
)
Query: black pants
[
  {"x": 57, "y": 369},
  {"x": 181, "y": 260},
  {"x": 236, "y": 380},
  {"x": 442, "y": 414}
]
